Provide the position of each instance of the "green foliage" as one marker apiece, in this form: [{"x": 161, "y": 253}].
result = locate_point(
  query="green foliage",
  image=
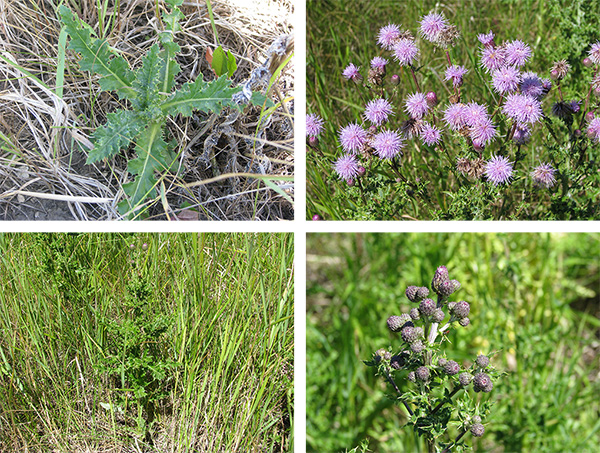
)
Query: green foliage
[
  {"x": 534, "y": 295},
  {"x": 223, "y": 63},
  {"x": 149, "y": 90}
]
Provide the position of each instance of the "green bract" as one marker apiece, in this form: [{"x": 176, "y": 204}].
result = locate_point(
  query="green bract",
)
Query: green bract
[{"x": 149, "y": 90}]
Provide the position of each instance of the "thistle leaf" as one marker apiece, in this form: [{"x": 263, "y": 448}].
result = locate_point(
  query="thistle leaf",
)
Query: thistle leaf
[
  {"x": 147, "y": 78},
  {"x": 121, "y": 128},
  {"x": 171, "y": 68},
  {"x": 152, "y": 155},
  {"x": 200, "y": 95},
  {"x": 97, "y": 57}
]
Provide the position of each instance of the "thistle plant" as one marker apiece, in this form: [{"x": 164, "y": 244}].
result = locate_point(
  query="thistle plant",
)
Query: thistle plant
[
  {"x": 151, "y": 98},
  {"x": 422, "y": 143},
  {"x": 441, "y": 392}
]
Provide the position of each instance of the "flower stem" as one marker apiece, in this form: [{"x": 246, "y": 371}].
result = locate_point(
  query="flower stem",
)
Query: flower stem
[
  {"x": 390, "y": 379},
  {"x": 415, "y": 78},
  {"x": 447, "y": 449}
]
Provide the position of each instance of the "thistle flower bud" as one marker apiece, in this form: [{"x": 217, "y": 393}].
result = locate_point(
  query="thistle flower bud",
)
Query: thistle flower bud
[
  {"x": 422, "y": 373},
  {"x": 313, "y": 142},
  {"x": 414, "y": 314},
  {"x": 589, "y": 116},
  {"x": 465, "y": 378},
  {"x": 482, "y": 361},
  {"x": 417, "y": 347},
  {"x": 451, "y": 368},
  {"x": 431, "y": 98},
  {"x": 577, "y": 133},
  {"x": 476, "y": 419},
  {"x": 461, "y": 309},
  {"x": 416, "y": 293},
  {"x": 395, "y": 80},
  {"x": 427, "y": 307},
  {"x": 317, "y": 217},
  {"x": 361, "y": 171},
  {"x": 144, "y": 246},
  {"x": 477, "y": 430},
  {"x": 559, "y": 70},
  {"x": 438, "y": 315},
  {"x": 411, "y": 334},
  {"x": 464, "y": 322},
  {"x": 442, "y": 361},
  {"x": 482, "y": 383},
  {"x": 587, "y": 62},
  {"x": 350, "y": 182},
  {"x": 440, "y": 276},
  {"x": 449, "y": 287},
  {"x": 399, "y": 360},
  {"x": 396, "y": 323},
  {"x": 411, "y": 377},
  {"x": 451, "y": 306}
]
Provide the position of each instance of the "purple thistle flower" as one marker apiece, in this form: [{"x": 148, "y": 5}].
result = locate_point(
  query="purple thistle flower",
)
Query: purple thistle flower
[
  {"x": 416, "y": 105},
  {"x": 506, "y": 79},
  {"x": 522, "y": 135},
  {"x": 593, "y": 131},
  {"x": 379, "y": 63},
  {"x": 575, "y": 106},
  {"x": 532, "y": 85},
  {"x": 353, "y": 138},
  {"x": 517, "y": 53},
  {"x": 352, "y": 72},
  {"x": 594, "y": 53},
  {"x": 456, "y": 73},
  {"x": 405, "y": 51},
  {"x": 543, "y": 176},
  {"x": 486, "y": 40},
  {"x": 492, "y": 58},
  {"x": 314, "y": 125},
  {"x": 483, "y": 132},
  {"x": 432, "y": 26},
  {"x": 430, "y": 135},
  {"x": 498, "y": 170},
  {"x": 377, "y": 111},
  {"x": 387, "y": 144},
  {"x": 388, "y": 36},
  {"x": 346, "y": 167},
  {"x": 475, "y": 113},
  {"x": 455, "y": 116},
  {"x": 523, "y": 109}
]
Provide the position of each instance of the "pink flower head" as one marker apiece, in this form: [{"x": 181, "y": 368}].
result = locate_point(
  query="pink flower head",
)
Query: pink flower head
[
  {"x": 523, "y": 109},
  {"x": 353, "y": 138},
  {"x": 475, "y": 113},
  {"x": 498, "y": 170},
  {"x": 522, "y": 135},
  {"x": 492, "y": 58},
  {"x": 483, "y": 132},
  {"x": 347, "y": 167},
  {"x": 430, "y": 135},
  {"x": 456, "y": 73},
  {"x": 314, "y": 125},
  {"x": 486, "y": 39},
  {"x": 517, "y": 53},
  {"x": 506, "y": 80},
  {"x": 352, "y": 72},
  {"x": 378, "y": 63},
  {"x": 455, "y": 116},
  {"x": 387, "y": 144},
  {"x": 388, "y": 36},
  {"x": 405, "y": 51},
  {"x": 416, "y": 105},
  {"x": 432, "y": 26},
  {"x": 532, "y": 85},
  {"x": 377, "y": 111},
  {"x": 543, "y": 176},
  {"x": 593, "y": 130},
  {"x": 594, "y": 53}
]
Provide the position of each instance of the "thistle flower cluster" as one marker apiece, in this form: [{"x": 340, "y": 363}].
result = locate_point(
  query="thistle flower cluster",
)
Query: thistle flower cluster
[
  {"x": 482, "y": 128},
  {"x": 427, "y": 370}
]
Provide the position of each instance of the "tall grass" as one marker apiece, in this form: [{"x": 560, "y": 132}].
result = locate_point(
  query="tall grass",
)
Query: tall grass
[
  {"x": 534, "y": 297},
  {"x": 230, "y": 298}
]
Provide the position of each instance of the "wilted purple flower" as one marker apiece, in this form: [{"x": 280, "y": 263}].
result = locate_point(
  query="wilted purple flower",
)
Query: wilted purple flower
[
  {"x": 388, "y": 36},
  {"x": 352, "y": 72},
  {"x": 353, "y": 137},
  {"x": 475, "y": 113},
  {"x": 593, "y": 130},
  {"x": 387, "y": 144},
  {"x": 314, "y": 125},
  {"x": 559, "y": 70},
  {"x": 487, "y": 40},
  {"x": 522, "y": 134},
  {"x": 432, "y": 26},
  {"x": 523, "y": 109},
  {"x": 377, "y": 111},
  {"x": 455, "y": 116},
  {"x": 346, "y": 167},
  {"x": 543, "y": 176},
  {"x": 430, "y": 135},
  {"x": 483, "y": 132},
  {"x": 499, "y": 170},
  {"x": 506, "y": 79},
  {"x": 517, "y": 53},
  {"x": 492, "y": 58},
  {"x": 456, "y": 73},
  {"x": 594, "y": 53},
  {"x": 562, "y": 109},
  {"x": 531, "y": 85},
  {"x": 379, "y": 63},
  {"x": 575, "y": 106},
  {"x": 405, "y": 51},
  {"x": 416, "y": 105}
]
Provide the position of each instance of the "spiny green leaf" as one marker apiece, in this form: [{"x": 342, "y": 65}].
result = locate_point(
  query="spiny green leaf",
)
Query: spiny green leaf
[
  {"x": 122, "y": 127},
  {"x": 146, "y": 78},
  {"x": 97, "y": 57},
  {"x": 171, "y": 68},
  {"x": 152, "y": 155},
  {"x": 200, "y": 95}
]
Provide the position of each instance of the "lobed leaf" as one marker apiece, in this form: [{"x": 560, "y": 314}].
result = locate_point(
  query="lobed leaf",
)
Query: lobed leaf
[
  {"x": 120, "y": 129},
  {"x": 97, "y": 57},
  {"x": 146, "y": 82},
  {"x": 201, "y": 95}
]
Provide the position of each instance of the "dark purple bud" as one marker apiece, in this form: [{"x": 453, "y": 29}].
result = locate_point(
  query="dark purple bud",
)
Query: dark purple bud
[
  {"x": 414, "y": 314},
  {"x": 482, "y": 383},
  {"x": 350, "y": 182},
  {"x": 361, "y": 171},
  {"x": 438, "y": 315},
  {"x": 317, "y": 217},
  {"x": 313, "y": 142},
  {"x": 144, "y": 246},
  {"x": 587, "y": 62},
  {"x": 132, "y": 246},
  {"x": 448, "y": 288},
  {"x": 461, "y": 309},
  {"x": 440, "y": 276},
  {"x": 589, "y": 116},
  {"x": 427, "y": 307},
  {"x": 422, "y": 373},
  {"x": 451, "y": 367},
  {"x": 554, "y": 74},
  {"x": 395, "y": 79},
  {"x": 577, "y": 132},
  {"x": 465, "y": 378},
  {"x": 396, "y": 323},
  {"x": 431, "y": 98},
  {"x": 464, "y": 322},
  {"x": 477, "y": 429},
  {"x": 482, "y": 361}
]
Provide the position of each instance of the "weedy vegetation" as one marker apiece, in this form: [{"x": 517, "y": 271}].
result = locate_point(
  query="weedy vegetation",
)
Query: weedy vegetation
[{"x": 150, "y": 342}]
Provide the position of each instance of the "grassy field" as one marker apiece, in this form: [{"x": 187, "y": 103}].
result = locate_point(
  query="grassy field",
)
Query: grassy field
[
  {"x": 146, "y": 342},
  {"x": 340, "y": 32},
  {"x": 534, "y": 297}
]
